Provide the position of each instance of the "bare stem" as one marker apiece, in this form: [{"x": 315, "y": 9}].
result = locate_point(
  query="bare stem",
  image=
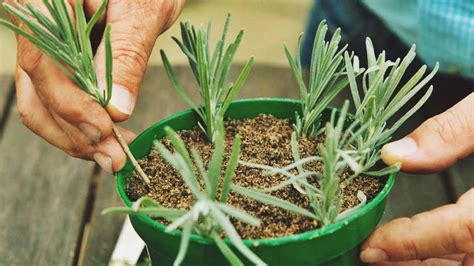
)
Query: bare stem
[{"x": 129, "y": 154}]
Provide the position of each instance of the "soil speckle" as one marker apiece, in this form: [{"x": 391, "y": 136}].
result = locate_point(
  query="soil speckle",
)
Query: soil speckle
[{"x": 265, "y": 140}]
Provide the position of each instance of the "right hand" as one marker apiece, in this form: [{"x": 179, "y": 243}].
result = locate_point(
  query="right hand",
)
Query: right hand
[
  {"x": 57, "y": 110},
  {"x": 442, "y": 236}
]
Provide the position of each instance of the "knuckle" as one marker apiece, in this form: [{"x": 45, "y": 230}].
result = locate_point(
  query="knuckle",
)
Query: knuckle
[
  {"x": 26, "y": 116},
  {"x": 130, "y": 53},
  {"x": 408, "y": 244},
  {"x": 463, "y": 231},
  {"x": 65, "y": 110},
  {"x": 75, "y": 151},
  {"x": 446, "y": 126},
  {"x": 29, "y": 57}
]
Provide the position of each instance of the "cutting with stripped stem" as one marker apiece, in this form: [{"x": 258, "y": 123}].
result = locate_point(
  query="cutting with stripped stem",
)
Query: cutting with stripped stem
[
  {"x": 337, "y": 157},
  {"x": 382, "y": 97},
  {"x": 327, "y": 78},
  {"x": 211, "y": 71},
  {"x": 67, "y": 43},
  {"x": 209, "y": 214}
]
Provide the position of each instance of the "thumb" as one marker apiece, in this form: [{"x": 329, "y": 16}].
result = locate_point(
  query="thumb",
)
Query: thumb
[
  {"x": 438, "y": 143},
  {"x": 445, "y": 230},
  {"x": 135, "y": 25}
]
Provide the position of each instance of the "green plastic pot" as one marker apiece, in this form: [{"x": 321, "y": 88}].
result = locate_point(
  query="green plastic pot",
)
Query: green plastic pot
[{"x": 336, "y": 244}]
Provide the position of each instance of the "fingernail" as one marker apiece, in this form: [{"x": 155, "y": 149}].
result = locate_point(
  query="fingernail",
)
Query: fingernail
[
  {"x": 90, "y": 131},
  {"x": 122, "y": 99},
  {"x": 398, "y": 150},
  {"x": 373, "y": 255},
  {"x": 104, "y": 161}
]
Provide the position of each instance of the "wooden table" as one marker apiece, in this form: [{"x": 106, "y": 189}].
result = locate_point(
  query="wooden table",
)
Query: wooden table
[{"x": 51, "y": 203}]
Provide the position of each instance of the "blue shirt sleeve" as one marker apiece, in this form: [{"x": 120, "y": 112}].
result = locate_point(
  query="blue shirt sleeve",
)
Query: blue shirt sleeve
[{"x": 443, "y": 30}]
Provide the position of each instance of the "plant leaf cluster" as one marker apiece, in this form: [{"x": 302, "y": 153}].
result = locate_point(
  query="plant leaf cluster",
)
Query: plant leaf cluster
[
  {"x": 337, "y": 157},
  {"x": 351, "y": 143},
  {"x": 381, "y": 97},
  {"x": 327, "y": 78},
  {"x": 65, "y": 41},
  {"x": 211, "y": 71},
  {"x": 209, "y": 215}
]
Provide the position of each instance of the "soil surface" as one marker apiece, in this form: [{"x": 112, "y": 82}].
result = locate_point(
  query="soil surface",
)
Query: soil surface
[{"x": 265, "y": 140}]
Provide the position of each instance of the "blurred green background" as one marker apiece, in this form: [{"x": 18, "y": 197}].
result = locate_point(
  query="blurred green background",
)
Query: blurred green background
[{"x": 268, "y": 24}]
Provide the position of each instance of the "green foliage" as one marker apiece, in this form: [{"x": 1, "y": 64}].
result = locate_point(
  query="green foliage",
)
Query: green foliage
[
  {"x": 211, "y": 71},
  {"x": 382, "y": 98},
  {"x": 65, "y": 41},
  {"x": 337, "y": 157},
  {"x": 209, "y": 215},
  {"x": 326, "y": 79}
]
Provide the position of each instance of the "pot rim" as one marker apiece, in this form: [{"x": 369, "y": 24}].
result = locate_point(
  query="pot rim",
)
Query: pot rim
[{"x": 324, "y": 231}]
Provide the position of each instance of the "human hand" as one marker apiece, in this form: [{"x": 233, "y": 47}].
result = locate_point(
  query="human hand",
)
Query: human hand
[
  {"x": 445, "y": 235},
  {"x": 57, "y": 110}
]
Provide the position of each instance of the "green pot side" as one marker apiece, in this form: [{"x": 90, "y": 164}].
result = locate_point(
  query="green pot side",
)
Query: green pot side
[{"x": 336, "y": 244}]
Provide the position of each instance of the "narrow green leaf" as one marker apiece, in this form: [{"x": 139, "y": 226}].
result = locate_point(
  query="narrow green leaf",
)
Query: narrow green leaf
[
  {"x": 297, "y": 74},
  {"x": 268, "y": 199},
  {"x": 241, "y": 215},
  {"x": 150, "y": 211},
  {"x": 385, "y": 171},
  {"x": 231, "y": 166},
  {"x": 215, "y": 164},
  {"x": 237, "y": 86},
  {"x": 183, "y": 246},
  {"x": 172, "y": 76},
  {"x": 179, "y": 222},
  {"x": 352, "y": 81},
  {"x": 200, "y": 165},
  {"x": 234, "y": 237},
  {"x": 100, "y": 11},
  {"x": 108, "y": 65},
  {"x": 231, "y": 257}
]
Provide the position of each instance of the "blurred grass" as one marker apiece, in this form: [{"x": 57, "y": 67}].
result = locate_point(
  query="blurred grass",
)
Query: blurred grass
[{"x": 268, "y": 24}]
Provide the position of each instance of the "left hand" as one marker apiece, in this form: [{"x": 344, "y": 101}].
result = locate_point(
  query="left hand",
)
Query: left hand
[{"x": 443, "y": 236}]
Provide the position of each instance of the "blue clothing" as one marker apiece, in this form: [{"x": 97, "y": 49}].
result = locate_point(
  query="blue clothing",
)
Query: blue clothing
[{"x": 443, "y": 30}]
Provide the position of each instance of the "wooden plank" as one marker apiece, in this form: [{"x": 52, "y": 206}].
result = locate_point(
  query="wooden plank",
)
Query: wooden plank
[
  {"x": 461, "y": 176},
  {"x": 43, "y": 193},
  {"x": 6, "y": 87},
  {"x": 413, "y": 194},
  {"x": 156, "y": 101}
]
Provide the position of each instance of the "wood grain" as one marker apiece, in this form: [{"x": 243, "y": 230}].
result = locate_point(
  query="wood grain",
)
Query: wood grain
[
  {"x": 6, "y": 99},
  {"x": 461, "y": 176},
  {"x": 43, "y": 196}
]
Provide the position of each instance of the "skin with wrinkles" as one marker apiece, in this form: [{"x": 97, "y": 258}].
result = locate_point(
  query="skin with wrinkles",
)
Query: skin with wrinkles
[
  {"x": 68, "y": 118},
  {"x": 445, "y": 235}
]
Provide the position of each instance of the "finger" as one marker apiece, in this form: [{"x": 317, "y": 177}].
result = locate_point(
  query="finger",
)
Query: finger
[
  {"x": 468, "y": 260},
  {"x": 445, "y": 230},
  {"x": 437, "y": 143},
  {"x": 37, "y": 118},
  {"x": 427, "y": 262},
  {"x": 135, "y": 25},
  {"x": 454, "y": 259},
  {"x": 458, "y": 257},
  {"x": 61, "y": 96},
  {"x": 110, "y": 155}
]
